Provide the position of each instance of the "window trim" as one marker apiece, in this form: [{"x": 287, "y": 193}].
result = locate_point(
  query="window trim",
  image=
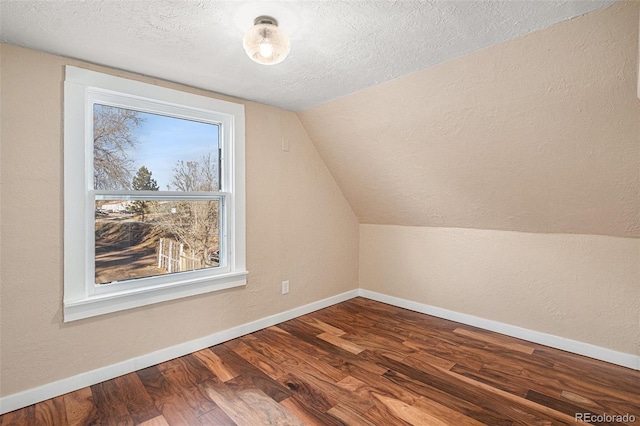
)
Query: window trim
[{"x": 80, "y": 300}]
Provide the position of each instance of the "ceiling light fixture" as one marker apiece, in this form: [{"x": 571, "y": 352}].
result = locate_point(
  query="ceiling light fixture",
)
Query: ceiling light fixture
[{"x": 265, "y": 43}]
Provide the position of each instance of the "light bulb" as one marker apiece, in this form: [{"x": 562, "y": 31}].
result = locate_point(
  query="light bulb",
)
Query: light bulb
[
  {"x": 265, "y": 43},
  {"x": 266, "y": 49}
]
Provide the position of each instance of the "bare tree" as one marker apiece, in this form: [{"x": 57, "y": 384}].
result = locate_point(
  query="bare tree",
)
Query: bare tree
[
  {"x": 199, "y": 175},
  {"x": 113, "y": 135},
  {"x": 195, "y": 223}
]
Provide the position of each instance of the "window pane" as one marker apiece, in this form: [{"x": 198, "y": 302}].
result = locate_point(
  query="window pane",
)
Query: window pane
[
  {"x": 134, "y": 150},
  {"x": 144, "y": 238}
]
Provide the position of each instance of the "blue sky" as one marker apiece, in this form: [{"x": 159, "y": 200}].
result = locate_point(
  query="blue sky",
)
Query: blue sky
[{"x": 162, "y": 141}]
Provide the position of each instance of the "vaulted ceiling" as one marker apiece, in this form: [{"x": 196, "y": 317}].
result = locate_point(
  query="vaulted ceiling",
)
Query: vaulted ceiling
[{"x": 338, "y": 47}]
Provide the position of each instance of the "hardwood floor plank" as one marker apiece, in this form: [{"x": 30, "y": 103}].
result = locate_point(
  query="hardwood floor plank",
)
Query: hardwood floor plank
[
  {"x": 51, "y": 412},
  {"x": 306, "y": 333},
  {"x": 299, "y": 360},
  {"x": 334, "y": 392},
  {"x": 306, "y": 343},
  {"x": 389, "y": 331},
  {"x": 135, "y": 397},
  {"x": 425, "y": 328},
  {"x": 428, "y": 328},
  {"x": 449, "y": 352},
  {"x": 571, "y": 363},
  {"x": 495, "y": 380},
  {"x": 233, "y": 406},
  {"x": 408, "y": 413},
  {"x": 24, "y": 416},
  {"x": 597, "y": 376},
  {"x": 359, "y": 362},
  {"x": 197, "y": 400},
  {"x": 156, "y": 384},
  {"x": 412, "y": 320},
  {"x": 343, "y": 320},
  {"x": 210, "y": 360},
  {"x": 365, "y": 306},
  {"x": 216, "y": 417},
  {"x": 431, "y": 337},
  {"x": 268, "y": 348},
  {"x": 259, "y": 379},
  {"x": 579, "y": 399},
  {"x": 420, "y": 359},
  {"x": 341, "y": 343},
  {"x": 111, "y": 409},
  {"x": 167, "y": 397},
  {"x": 261, "y": 362},
  {"x": 480, "y": 393},
  {"x": 177, "y": 412},
  {"x": 615, "y": 399},
  {"x": 444, "y": 414},
  {"x": 324, "y": 327},
  {"x": 555, "y": 404},
  {"x": 508, "y": 380},
  {"x": 349, "y": 363},
  {"x": 475, "y": 409},
  {"x": 80, "y": 408},
  {"x": 380, "y": 414},
  {"x": 185, "y": 375},
  {"x": 376, "y": 344},
  {"x": 156, "y": 421},
  {"x": 502, "y": 358},
  {"x": 275, "y": 413},
  {"x": 309, "y": 414},
  {"x": 307, "y": 394},
  {"x": 348, "y": 416},
  {"x": 367, "y": 390},
  {"x": 186, "y": 371},
  {"x": 500, "y": 340}
]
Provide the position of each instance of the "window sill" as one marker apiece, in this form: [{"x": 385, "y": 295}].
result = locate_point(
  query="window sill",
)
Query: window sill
[{"x": 92, "y": 306}]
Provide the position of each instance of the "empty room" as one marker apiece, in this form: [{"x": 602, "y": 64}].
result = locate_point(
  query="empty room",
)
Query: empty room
[{"x": 319, "y": 212}]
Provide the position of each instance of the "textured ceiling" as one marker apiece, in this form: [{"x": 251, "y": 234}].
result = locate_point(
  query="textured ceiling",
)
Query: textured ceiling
[{"x": 338, "y": 47}]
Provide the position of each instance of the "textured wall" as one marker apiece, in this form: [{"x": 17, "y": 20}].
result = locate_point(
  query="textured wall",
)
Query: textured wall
[
  {"x": 299, "y": 227},
  {"x": 581, "y": 287},
  {"x": 538, "y": 134}
]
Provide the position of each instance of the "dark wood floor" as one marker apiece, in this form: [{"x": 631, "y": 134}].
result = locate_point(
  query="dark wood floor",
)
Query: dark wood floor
[{"x": 357, "y": 363}]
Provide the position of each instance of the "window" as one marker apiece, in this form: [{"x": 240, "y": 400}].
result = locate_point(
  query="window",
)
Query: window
[{"x": 154, "y": 194}]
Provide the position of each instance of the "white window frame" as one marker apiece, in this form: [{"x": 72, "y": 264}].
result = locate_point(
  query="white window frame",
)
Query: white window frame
[{"x": 82, "y": 297}]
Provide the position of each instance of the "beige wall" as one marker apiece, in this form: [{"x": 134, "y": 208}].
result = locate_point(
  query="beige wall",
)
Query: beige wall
[
  {"x": 581, "y": 287},
  {"x": 515, "y": 172},
  {"x": 537, "y": 134},
  {"x": 299, "y": 227}
]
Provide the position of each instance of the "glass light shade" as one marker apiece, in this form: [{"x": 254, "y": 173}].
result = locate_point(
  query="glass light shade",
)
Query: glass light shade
[{"x": 265, "y": 43}]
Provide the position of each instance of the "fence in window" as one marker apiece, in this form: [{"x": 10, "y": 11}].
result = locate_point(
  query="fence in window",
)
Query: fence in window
[{"x": 173, "y": 258}]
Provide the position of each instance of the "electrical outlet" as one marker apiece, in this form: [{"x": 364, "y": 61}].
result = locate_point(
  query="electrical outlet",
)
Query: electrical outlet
[{"x": 285, "y": 287}]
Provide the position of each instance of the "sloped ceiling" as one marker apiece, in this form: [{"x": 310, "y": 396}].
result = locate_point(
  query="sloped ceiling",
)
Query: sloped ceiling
[
  {"x": 538, "y": 134},
  {"x": 338, "y": 47}
]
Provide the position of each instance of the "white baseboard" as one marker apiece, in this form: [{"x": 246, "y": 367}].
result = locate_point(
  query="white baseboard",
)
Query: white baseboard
[
  {"x": 573, "y": 346},
  {"x": 60, "y": 387}
]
